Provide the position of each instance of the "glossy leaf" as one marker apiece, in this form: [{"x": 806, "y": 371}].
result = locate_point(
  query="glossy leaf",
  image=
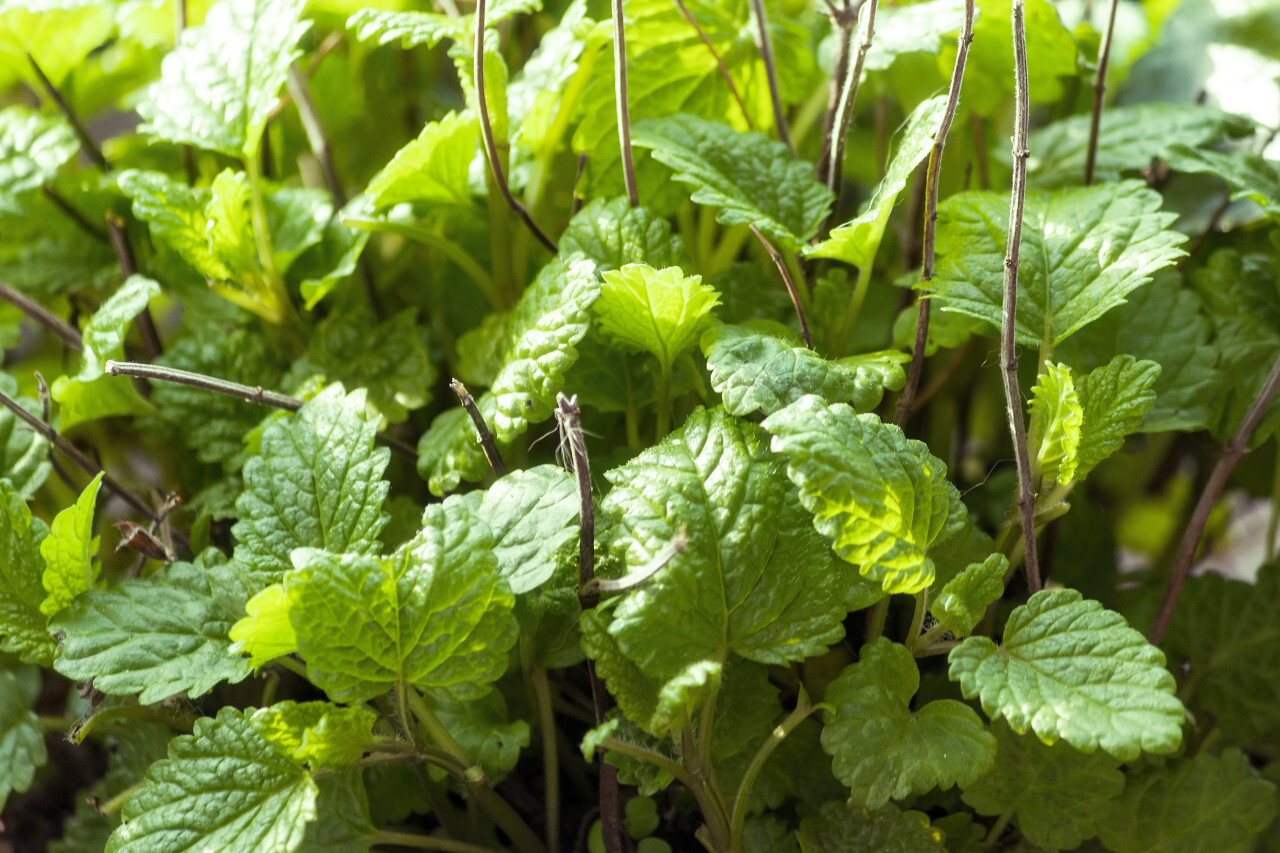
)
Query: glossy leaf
[
  {"x": 964, "y": 599},
  {"x": 70, "y": 552},
  {"x": 1057, "y": 420},
  {"x": 532, "y": 514},
  {"x": 432, "y": 168},
  {"x": 661, "y": 312}
]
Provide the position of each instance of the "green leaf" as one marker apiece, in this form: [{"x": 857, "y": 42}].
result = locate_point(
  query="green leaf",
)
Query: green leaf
[
  {"x": 884, "y": 750},
  {"x": 176, "y": 214},
  {"x": 551, "y": 317},
  {"x": 1070, "y": 669},
  {"x": 316, "y": 733},
  {"x": 435, "y": 614},
  {"x": 224, "y": 787},
  {"x": 856, "y": 242},
  {"x": 317, "y": 483},
  {"x": 449, "y": 451},
  {"x": 411, "y": 29},
  {"x": 229, "y": 223},
  {"x": 613, "y": 234},
  {"x": 70, "y": 552},
  {"x": 753, "y": 578},
  {"x": 964, "y": 599},
  {"x": 485, "y": 731},
  {"x": 1115, "y": 397},
  {"x": 58, "y": 34},
  {"x": 218, "y": 86},
  {"x": 918, "y": 27},
  {"x": 396, "y": 372},
  {"x": 638, "y": 695},
  {"x": 840, "y": 827},
  {"x": 155, "y": 637},
  {"x": 22, "y": 625},
  {"x": 751, "y": 179},
  {"x": 1129, "y": 138},
  {"x": 1229, "y": 633},
  {"x": 1165, "y": 323},
  {"x": 24, "y": 453},
  {"x": 333, "y": 258},
  {"x": 1083, "y": 251},
  {"x": 661, "y": 312},
  {"x": 1250, "y": 175},
  {"x": 1058, "y": 793},
  {"x": 884, "y": 500},
  {"x": 33, "y": 147},
  {"x": 1209, "y": 802},
  {"x": 22, "y": 750},
  {"x": 760, "y": 367},
  {"x": 432, "y": 168},
  {"x": 266, "y": 632},
  {"x": 1056, "y": 423},
  {"x": 532, "y": 514}
]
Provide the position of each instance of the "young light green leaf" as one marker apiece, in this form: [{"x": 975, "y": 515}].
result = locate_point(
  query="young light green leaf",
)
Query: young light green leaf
[
  {"x": 1250, "y": 175},
  {"x": 532, "y": 514},
  {"x": 176, "y": 214},
  {"x": 1209, "y": 802},
  {"x": 1114, "y": 398},
  {"x": 753, "y": 578},
  {"x": 1083, "y": 250},
  {"x": 317, "y": 483},
  {"x": 1056, "y": 423},
  {"x": 266, "y": 631},
  {"x": 751, "y": 179},
  {"x": 22, "y": 750},
  {"x": 1058, "y": 793},
  {"x": 24, "y": 453},
  {"x": 1129, "y": 138},
  {"x": 1070, "y": 669},
  {"x": 432, "y": 168},
  {"x": 882, "y": 499},
  {"x": 435, "y": 613},
  {"x": 1165, "y": 323},
  {"x": 397, "y": 373},
  {"x": 155, "y": 637},
  {"x": 884, "y": 750},
  {"x": 70, "y": 552},
  {"x": 33, "y": 146},
  {"x": 1229, "y": 633},
  {"x": 856, "y": 242},
  {"x": 965, "y": 598},
  {"x": 225, "y": 787},
  {"x": 762, "y": 367},
  {"x": 218, "y": 86},
  {"x": 551, "y": 317},
  {"x": 22, "y": 625},
  {"x": 57, "y": 34},
  {"x": 229, "y": 222},
  {"x": 613, "y": 234},
  {"x": 317, "y": 734},
  {"x": 661, "y": 312},
  {"x": 840, "y": 827}
]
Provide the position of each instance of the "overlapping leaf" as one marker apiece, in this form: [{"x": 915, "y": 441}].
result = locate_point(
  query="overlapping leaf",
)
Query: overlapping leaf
[
  {"x": 432, "y": 168},
  {"x": 613, "y": 234},
  {"x": 532, "y": 514},
  {"x": 22, "y": 749},
  {"x": 22, "y": 625},
  {"x": 884, "y": 750},
  {"x": 24, "y": 454},
  {"x": 1083, "y": 251},
  {"x": 963, "y": 601},
  {"x": 1069, "y": 669},
  {"x": 839, "y": 827},
  {"x": 1114, "y": 398},
  {"x": 661, "y": 312},
  {"x": 1057, "y": 420},
  {"x": 883, "y": 500},
  {"x": 33, "y": 146}
]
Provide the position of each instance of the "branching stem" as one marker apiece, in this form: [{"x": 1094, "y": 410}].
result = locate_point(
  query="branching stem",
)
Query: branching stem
[
  {"x": 907, "y": 401},
  {"x": 1232, "y": 452},
  {"x": 1099, "y": 87},
  {"x": 1008, "y": 325}
]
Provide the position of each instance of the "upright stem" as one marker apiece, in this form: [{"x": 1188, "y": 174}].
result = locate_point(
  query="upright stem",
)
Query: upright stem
[
  {"x": 490, "y": 144},
  {"x": 569, "y": 419},
  {"x": 485, "y": 435},
  {"x": 715, "y": 54},
  {"x": 771, "y": 74},
  {"x": 844, "y": 108},
  {"x": 623, "y": 104},
  {"x": 64, "y": 330},
  {"x": 1232, "y": 452},
  {"x": 1008, "y": 325},
  {"x": 843, "y": 19},
  {"x": 781, "y": 264},
  {"x": 1099, "y": 87},
  {"x": 907, "y": 400}
]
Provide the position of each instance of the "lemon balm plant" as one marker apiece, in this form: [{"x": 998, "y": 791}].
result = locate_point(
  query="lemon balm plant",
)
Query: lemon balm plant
[{"x": 638, "y": 426}]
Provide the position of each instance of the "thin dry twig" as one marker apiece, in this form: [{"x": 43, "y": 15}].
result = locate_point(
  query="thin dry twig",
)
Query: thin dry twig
[
  {"x": 781, "y": 264},
  {"x": 1099, "y": 87},
  {"x": 87, "y": 145},
  {"x": 906, "y": 402},
  {"x": 1232, "y": 452},
  {"x": 64, "y": 330},
  {"x": 487, "y": 442},
  {"x": 129, "y": 267},
  {"x": 490, "y": 144},
  {"x": 771, "y": 75},
  {"x": 715, "y": 54},
  {"x": 1008, "y": 357},
  {"x": 622, "y": 100}
]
